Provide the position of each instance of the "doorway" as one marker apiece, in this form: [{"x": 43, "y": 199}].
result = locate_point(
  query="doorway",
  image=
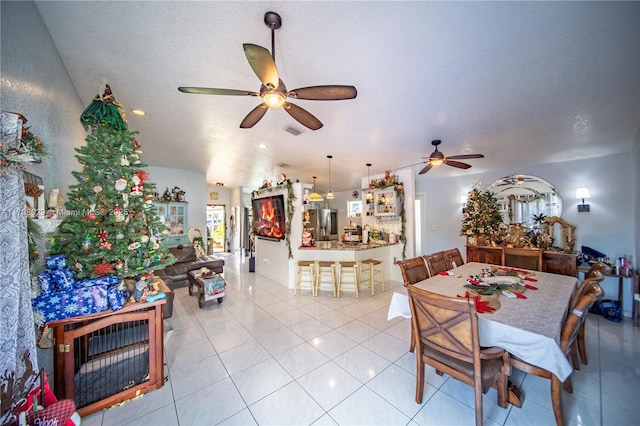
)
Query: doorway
[{"x": 216, "y": 228}]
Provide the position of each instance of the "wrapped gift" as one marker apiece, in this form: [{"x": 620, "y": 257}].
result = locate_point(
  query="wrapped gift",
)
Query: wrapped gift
[
  {"x": 105, "y": 281},
  {"x": 64, "y": 278},
  {"x": 46, "y": 282},
  {"x": 57, "y": 261},
  {"x": 117, "y": 297},
  {"x": 71, "y": 303}
]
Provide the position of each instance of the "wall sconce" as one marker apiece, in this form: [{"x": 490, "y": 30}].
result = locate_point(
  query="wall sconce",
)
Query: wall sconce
[
  {"x": 582, "y": 193},
  {"x": 463, "y": 201}
]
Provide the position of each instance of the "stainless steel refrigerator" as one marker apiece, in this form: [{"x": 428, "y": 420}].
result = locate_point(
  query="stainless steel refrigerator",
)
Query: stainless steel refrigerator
[{"x": 323, "y": 224}]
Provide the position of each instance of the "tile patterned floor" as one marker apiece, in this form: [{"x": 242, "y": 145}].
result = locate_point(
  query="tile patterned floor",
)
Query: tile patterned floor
[{"x": 267, "y": 357}]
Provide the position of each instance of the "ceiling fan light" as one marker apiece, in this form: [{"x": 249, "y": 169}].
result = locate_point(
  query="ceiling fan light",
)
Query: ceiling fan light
[
  {"x": 273, "y": 100},
  {"x": 436, "y": 161}
]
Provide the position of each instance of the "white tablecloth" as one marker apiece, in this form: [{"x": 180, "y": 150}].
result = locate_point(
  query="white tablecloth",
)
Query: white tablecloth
[{"x": 528, "y": 328}]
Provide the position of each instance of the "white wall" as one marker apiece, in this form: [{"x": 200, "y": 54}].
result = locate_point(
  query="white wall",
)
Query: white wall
[{"x": 36, "y": 84}]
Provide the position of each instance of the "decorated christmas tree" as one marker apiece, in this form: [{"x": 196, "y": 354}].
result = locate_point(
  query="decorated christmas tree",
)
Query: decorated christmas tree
[
  {"x": 110, "y": 226},
  {"x": 482, "y": 217}
]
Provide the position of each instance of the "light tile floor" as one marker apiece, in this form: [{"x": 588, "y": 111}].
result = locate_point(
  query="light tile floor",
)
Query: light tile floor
[{"x": 267, "y": 357}]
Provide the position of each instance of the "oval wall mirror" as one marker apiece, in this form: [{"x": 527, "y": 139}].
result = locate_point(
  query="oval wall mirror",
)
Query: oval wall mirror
[{"x": 521, "y": 197}]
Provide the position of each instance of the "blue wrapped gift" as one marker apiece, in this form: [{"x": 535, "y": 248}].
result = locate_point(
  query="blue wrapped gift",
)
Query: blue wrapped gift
[
  {"x": 46, "y": 282},
  {"x": 56, "y": 261},
  {"x": 65, "y": 304},
  {"x": 117, "y": 297},
  {"x": 64, "y": 278},
  {"x": 105, "y": 281}
]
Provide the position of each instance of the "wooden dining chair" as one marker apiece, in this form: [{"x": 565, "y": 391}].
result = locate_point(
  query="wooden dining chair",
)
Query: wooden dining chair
[
  {"x": 413, "y": 271},
  {"x": 446, "y": 330},
  {"x": 436, "y": 263},
  {"x": 453, "y": 257},
  {"x": 595, "y": 275},
  {"x": 525, "y": 258},
  {"x": 568, "y": 338}
]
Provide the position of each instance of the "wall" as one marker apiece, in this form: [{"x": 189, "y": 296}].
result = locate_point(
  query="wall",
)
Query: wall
[
  {"x": 611, "y": 227},
  {"x": 36, "y": 84},
  {"x": 192, "y": 183}
]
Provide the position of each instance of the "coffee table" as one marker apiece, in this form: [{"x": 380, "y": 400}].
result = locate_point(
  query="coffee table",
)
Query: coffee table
[{"x": 208, "y": 288}]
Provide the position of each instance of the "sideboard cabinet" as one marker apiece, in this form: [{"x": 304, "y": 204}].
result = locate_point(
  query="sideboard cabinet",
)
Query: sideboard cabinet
[{"x": 552, "y": 261}]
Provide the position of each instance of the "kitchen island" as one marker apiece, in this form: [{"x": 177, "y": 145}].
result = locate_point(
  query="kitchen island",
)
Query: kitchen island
[{"x": 334, "y": 251}]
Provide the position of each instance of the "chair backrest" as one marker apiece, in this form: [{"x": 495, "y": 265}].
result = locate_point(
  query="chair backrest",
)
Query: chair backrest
[
  {"x": 451, "y": 256},
  {"x": 436, "y": 263},
  {"x": 577, "y": 315},
  {"x": 598, "y": 267},
  {"x": 524, "y": 258},
  {"x": 594, "y": 276},
  {"x": 448, "y": 325},
  {"x": 413, "y": 270}
]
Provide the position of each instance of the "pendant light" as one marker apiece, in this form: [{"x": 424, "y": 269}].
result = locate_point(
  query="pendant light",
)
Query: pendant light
[
  {"x": 314, "y": 196},
  {"x": 369, "y": 194},
  {"x": 329, "y": 194}
]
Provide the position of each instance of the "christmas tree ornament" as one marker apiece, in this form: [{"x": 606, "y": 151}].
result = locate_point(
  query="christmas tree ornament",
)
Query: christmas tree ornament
[
  {"x": 97, "y": 189},
  {"x": 144, "y": 239},
  {"x": 103, "y": 268},
  {"x": 121, "y": 183},
  {"x": 117, "y": 212},
  {"x": 124, "y": 161},
  {"x": 119, "y": 236},
  {"x": 136, "y": 188}
]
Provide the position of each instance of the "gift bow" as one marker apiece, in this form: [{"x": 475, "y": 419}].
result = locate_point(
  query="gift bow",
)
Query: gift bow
[{"x": 481, "y": 305}]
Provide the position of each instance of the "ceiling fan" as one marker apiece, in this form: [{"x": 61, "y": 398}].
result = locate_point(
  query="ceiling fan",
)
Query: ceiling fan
[
  {"x": 273, "y": 90},
  {"x": 436, "y": 158},
  {"x": 516, "y": 180}
]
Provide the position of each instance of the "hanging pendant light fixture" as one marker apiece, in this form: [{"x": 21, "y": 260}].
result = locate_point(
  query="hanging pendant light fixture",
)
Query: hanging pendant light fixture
[
  {"x": 314, "y": 196},
  {"x": 329, "y": 194},
  {"x": 369, "y": 194}
]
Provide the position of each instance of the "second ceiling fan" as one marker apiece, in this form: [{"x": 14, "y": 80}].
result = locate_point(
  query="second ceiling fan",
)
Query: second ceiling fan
[
  {"x": 273, "y": 90},
  {"x": 436, "y": 158}
]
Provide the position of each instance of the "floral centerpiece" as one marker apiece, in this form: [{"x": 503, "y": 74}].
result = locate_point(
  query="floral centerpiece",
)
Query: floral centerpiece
[{"x": 481, "y": 219}]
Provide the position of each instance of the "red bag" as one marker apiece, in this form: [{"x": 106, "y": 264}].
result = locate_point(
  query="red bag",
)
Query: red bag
[{"x": 51, "y": 411}]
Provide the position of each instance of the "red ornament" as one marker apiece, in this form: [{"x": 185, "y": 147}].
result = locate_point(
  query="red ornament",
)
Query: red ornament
[
  {"x": 144, "y": 176},
  {"x": 103, "y": 268}
]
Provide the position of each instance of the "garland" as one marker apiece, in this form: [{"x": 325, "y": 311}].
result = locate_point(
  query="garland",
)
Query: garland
[
  {"x": 29, "y": 150},
  {"x": 291, "y": 197}
]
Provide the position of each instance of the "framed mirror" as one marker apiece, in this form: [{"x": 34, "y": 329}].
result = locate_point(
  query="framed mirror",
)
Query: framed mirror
[{"x": 521, "y": 197}]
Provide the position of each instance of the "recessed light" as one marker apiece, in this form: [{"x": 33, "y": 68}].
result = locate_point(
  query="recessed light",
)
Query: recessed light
[
  {"x": 262, "y": 145},
  {"x": 138, "y": 112}
]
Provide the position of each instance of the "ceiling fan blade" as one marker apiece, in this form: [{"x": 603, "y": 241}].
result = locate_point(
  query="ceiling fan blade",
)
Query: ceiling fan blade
[
  {"x": 254, "y": 116},
  {"x": 212, "y": 91},
  {"x": 426, "y": 169},
  {"x": 324, "y": 93},
  {"x": 303, "y": 116},
  {"x": 465, "y": 156},
  {"x": 406, "y": 167},
  {"x": 457, "y": 164},
  {"x": 262, "y": 64}
]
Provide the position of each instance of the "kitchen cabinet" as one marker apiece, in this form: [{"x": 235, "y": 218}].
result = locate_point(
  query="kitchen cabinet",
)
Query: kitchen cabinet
[
  {"x": 174, "y": 218},
  {"x": 385, "y": 202}
]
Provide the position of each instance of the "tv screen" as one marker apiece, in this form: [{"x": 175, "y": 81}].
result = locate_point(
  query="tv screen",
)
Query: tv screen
[{"x": 269, "y": 217}]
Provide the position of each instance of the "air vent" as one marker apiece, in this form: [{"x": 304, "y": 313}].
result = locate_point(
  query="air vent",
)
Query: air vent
[
  {"x": 292, "y": 130},
  {"x": 283, "y": 165}
]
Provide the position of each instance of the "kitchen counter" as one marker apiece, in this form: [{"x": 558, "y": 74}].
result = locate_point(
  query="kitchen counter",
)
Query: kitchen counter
[{"x": 335, "y": 245}]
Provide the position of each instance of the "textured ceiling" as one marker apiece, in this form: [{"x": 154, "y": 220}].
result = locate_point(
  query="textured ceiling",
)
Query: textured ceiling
[{"x": 521, "y": 82}]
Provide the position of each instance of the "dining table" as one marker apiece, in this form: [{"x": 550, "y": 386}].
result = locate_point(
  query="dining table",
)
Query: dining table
[{"x": 528, "y": 327}]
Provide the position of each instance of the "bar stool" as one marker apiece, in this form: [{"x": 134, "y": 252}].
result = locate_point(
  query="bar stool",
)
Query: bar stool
[
  {"x": 307, "y": 268},
  {"x": 372, "y": 267},
  {"x": 324, "y": 268},
  {"x": 346, "y": 268}
]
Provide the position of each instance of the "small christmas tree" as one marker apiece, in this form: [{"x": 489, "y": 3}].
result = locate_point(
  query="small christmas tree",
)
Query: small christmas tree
[
  {"x": 111, "y": 226},
  {"x": 481, "y": 216}
]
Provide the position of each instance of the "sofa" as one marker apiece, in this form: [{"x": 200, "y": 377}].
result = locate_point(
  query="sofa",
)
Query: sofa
[{"x": 186, "y": 261}]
